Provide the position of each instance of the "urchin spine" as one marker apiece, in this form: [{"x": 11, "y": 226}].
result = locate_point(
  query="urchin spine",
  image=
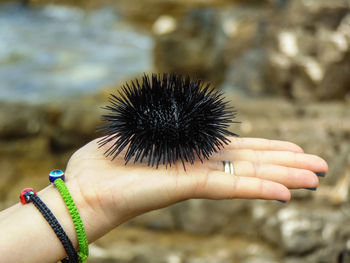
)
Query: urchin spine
[{"x": 166, "y": 118}]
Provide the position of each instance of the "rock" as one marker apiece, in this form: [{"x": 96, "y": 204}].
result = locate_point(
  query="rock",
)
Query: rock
[
  {"x": 245, "y": 52},
  {"x": 129, "y": 245},
  {"x": 19, "y": 120},
  {"x": 245, "y": 73},
  {"x": 309, "y": 57},
  {"x": 207, "y": 217},
  {"x": 194, "y": 47},
  {"x": 157, "y": 220},
  {"x": 165, "y": 24},
  {"x": 308, "y": 233},
  {"x": 260, "y": 260},
  {"x": 300, "y": 233},
  {"x": 77, "y": 125}
]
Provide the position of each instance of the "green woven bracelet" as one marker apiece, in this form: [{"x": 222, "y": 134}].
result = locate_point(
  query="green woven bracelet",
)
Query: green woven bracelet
[{"x": 78, "y": 224}]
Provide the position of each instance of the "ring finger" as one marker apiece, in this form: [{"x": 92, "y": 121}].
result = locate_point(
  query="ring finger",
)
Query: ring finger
[{"x": 288, "y": 176}]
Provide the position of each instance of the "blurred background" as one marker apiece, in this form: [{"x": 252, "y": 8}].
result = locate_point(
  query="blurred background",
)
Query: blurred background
[{"x": 284, "y": 64}]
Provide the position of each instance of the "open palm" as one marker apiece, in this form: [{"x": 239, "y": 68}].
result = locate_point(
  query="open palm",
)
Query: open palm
[{"x": 264, "y": 169}]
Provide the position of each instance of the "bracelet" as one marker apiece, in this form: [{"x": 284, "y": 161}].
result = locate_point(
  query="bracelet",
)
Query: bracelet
[
  {"x": 29, "y": 195},
  {"x": 57, "y": 178}
]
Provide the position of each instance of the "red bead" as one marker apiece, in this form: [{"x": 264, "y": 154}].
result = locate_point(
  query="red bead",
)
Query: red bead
[{"x": 24, "y": 195}]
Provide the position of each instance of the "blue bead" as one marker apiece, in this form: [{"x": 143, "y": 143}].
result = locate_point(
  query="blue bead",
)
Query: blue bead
[{"x": 55, "y": 174}]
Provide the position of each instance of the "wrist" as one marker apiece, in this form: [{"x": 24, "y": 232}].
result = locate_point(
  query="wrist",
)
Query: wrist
[
  {"x": 93, "y": 218},
  {"x": 27, "y": 224},
  {"x": 51, "y": 197}
]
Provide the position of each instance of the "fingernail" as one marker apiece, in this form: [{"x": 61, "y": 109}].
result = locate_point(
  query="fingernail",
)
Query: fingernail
[
  {"x": 312, "y": 189},
  {"x": 282, "y": 201},
  {"x": 321, "y": 174}
]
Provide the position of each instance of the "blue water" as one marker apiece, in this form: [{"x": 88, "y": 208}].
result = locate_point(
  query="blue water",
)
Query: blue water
[{"x": 55, "y": 52}]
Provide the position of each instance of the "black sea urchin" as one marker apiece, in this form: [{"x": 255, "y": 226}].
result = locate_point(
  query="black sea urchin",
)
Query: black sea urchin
[{"x": 166, "y": 118}]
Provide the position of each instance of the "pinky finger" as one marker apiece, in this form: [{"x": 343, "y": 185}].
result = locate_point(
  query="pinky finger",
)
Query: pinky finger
[{"x": 219, "y": 185}]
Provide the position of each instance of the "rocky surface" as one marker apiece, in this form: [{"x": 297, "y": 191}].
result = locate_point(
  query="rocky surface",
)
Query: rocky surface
[
  {"x": 140, "y": 245},
  {"x": 310, "y": 51},
  {"x": 297, "y": 49},
  {"x": 194, "y": 46}
]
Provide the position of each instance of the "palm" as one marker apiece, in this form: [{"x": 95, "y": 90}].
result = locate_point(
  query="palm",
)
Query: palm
[{"x": 264, "y": 169}]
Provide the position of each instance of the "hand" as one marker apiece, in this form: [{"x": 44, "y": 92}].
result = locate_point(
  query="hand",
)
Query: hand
[{"x": 114, "y": 193}]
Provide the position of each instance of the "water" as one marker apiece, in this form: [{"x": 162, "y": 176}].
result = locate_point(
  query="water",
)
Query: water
[{"x": 54, "y": 52}]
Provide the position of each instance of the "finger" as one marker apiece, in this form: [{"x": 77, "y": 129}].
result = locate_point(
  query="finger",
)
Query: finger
[
  {"x": 219, "y": 185},
  {"x": 262, "y": 144},
  {"x": 283, "y": 158},
  {"x": 290, "y": 177}
]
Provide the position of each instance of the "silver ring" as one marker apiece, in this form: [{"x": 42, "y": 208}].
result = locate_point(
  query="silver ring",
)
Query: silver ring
[{"x": 228, "y": 167}]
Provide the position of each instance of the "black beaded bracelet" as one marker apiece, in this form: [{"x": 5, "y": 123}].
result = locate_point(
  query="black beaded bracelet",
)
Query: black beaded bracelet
[{"x": 29, "y": 195}]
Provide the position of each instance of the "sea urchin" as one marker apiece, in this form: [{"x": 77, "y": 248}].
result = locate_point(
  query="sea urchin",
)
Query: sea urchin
[{"x": 165, "y": 118}]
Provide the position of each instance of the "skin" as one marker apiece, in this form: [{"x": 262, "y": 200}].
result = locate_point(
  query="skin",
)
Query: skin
[{"x": 108, "y": 193}]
